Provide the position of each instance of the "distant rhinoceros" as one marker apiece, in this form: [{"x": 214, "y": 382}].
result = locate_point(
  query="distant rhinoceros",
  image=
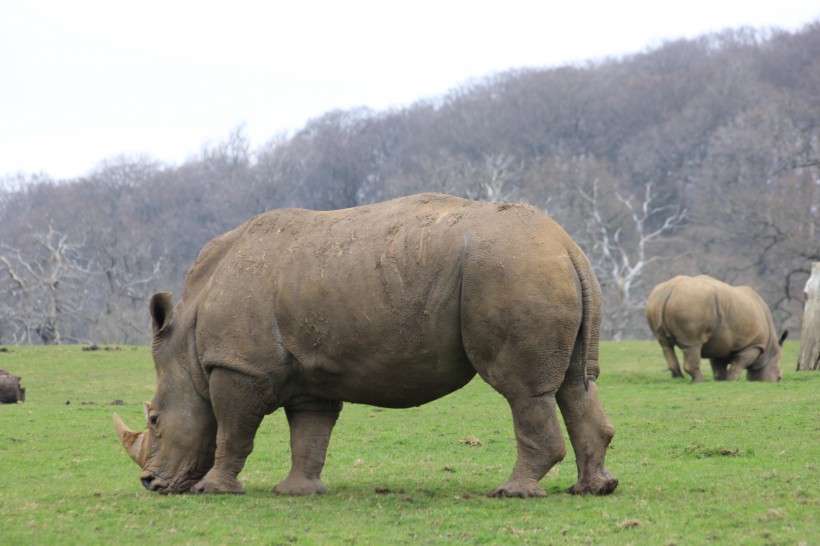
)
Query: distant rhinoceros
[
  {"x": 11, "y": 391},
  {"x": 730, "y": 325},
  {"x": 394, "y": 305}
]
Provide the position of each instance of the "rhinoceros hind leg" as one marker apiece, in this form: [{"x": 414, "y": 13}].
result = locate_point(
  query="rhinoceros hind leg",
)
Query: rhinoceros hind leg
[
  {"x": 310, "y": 428},
  {"x": 300, "y": 485},
  {"x": 671, "y": 358},
  {"x": 691, "y": 362},
  {"x": 590, "y": 433},
  {"x": 602, "y": 484},
  {"x": 540, "y": 445},
  {"x": 522, "y": 489}
]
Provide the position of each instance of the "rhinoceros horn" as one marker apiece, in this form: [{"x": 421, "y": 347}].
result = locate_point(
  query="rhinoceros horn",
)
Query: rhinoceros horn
[{"x": 131, "y": 441}]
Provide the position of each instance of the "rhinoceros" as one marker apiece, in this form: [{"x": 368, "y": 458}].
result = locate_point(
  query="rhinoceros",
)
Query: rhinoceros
[
  {"x": 11, "y": 391},
  {"x": 730, "y": 325},
  {"x": 393, "y": 305}
]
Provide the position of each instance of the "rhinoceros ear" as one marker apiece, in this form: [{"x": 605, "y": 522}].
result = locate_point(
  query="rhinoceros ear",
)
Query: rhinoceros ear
[{"x": 162, "y": 311}]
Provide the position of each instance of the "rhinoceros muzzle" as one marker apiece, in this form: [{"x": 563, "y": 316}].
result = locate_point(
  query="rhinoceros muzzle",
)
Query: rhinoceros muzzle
[{"x": 156, "y": 484}]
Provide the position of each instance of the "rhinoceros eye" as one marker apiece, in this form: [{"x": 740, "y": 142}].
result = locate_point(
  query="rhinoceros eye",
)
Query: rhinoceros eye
[{"x": 153, "y": 419}]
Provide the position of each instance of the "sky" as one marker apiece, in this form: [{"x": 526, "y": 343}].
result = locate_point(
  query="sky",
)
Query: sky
[{"x": 84, "y": 81}]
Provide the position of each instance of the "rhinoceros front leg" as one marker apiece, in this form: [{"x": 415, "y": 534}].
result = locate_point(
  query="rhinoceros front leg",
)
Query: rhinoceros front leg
[
  {"x": 310, "y": 428},
  {"x": 590, "y": 432},
  {"x": 719, "y": 368},
  {"x": 740, "y": 361},
  {"x": 540, "y": 445},
  {"x": 238, "y": 413}
]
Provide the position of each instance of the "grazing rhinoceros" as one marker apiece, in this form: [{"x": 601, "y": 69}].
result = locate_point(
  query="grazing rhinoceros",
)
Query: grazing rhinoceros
[
  {"x": 11, "y": 391},
  {"x": 394, "y": 305},
  {"x": 730, "y": 325}
]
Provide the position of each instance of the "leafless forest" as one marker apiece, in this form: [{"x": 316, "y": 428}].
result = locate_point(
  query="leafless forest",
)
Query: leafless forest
[{"x": 699, "y": 156}]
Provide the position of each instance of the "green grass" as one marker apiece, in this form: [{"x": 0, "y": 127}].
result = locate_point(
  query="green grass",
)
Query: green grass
[{"x": 713, "y": 463}]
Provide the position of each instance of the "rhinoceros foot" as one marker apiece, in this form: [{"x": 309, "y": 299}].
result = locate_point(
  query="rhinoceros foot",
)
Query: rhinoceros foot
[
  {"x": 599, "y": 484},
  {"x": 522, "y": 489},
  {"x": 300, "y": 486},
  {"x": 218, "y": 485}
]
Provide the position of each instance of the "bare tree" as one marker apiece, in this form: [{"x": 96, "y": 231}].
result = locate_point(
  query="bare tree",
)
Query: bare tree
[
  {"x": 46, "y": 296},
  {"x": 620, "y": 250},
  {"x": 495, "y": 178}
]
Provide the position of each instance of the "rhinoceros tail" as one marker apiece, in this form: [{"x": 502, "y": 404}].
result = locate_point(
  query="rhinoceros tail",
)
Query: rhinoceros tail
[{"x": 586, "y": 344}]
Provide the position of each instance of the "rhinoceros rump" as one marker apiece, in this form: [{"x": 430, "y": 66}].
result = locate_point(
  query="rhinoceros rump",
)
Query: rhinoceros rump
[
  {"x": 730, "y": 325},
  {"x": 394, "y": 305}
]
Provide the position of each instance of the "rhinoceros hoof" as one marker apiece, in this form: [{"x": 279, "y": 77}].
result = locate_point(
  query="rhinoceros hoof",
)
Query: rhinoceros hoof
[
  {"x": 300, "y": 486},
  {"x": 522, "y": 489},
  {"x": 602, "y": 485},
  {"x": 225, "y": 487}
]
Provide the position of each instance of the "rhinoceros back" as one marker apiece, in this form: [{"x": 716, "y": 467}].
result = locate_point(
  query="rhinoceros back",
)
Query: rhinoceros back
[{"x": 410, "y": 297}]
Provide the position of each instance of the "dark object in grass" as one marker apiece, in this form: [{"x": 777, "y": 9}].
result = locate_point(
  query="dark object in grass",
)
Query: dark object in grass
[
  {"x": 11, "y": 391},
  {"x": 95, "y": 347}
]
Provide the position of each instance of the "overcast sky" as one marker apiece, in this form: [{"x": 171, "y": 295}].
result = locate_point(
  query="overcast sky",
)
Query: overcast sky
[{"x": 86, "y": 80}]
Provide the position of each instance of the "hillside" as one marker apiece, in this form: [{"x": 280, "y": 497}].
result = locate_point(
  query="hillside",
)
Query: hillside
[{"x": 697, "y": 156}]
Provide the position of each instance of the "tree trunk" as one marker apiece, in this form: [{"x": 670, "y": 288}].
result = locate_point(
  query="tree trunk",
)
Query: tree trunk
[{"x": 809, "y": 358}]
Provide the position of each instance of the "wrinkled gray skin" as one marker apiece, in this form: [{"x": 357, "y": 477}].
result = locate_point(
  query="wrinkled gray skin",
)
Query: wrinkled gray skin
[
  {"x": 730, "y": 325},
  {"x": 394, "y": 305},
  {"x": 11, "y": 391}
]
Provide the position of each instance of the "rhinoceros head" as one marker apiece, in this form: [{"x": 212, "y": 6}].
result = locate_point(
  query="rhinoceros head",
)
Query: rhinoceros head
[{"x": 177, "y": 449}]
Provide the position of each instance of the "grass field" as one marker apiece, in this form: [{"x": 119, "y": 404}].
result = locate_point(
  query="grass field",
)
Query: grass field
[{"x": 713, "y": 463}]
